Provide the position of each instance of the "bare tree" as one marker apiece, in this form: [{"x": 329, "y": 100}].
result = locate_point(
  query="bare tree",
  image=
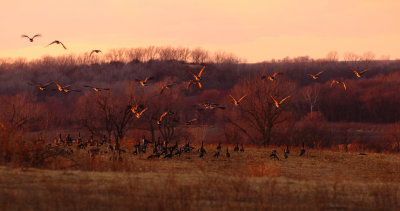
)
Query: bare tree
[
  {"x": 18, "y": 113},
  {"x": 332, "y": 56},
  {"x": 311, "y": 96},
  {"x": 259, "y": 113},
  {"x": 199, "y": 55}
]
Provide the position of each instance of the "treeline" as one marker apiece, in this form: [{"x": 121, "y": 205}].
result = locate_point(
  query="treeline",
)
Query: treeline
[{"x": 373, "y": 98}]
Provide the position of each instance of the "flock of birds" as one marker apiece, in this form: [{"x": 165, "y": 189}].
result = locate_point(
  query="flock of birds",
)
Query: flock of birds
[{"x": 139, "y": 110}]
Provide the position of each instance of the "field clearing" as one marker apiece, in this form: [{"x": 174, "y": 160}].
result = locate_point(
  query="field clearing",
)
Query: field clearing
[{"x": 322, "y": 180}]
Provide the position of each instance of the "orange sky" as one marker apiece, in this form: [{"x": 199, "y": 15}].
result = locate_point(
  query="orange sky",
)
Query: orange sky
[{"x": 256, "y": 30}]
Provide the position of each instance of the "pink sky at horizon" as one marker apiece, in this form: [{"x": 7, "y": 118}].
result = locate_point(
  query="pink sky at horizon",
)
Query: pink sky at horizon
[{"x": 255, "y": 30}]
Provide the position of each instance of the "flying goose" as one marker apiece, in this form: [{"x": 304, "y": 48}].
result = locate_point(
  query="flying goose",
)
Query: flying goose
[
  {"x": 271, "y": 77},
  {"x": 237, "y": 102},
  {"x": 42, "y": 87},
  {"x": 96, "y": 89},
  {"x": 59, "y": 43},
  {"x": 191, "y": 121},
  {"x": 166, "y": 86},
  {"x": 212, "y": 106},
  {"x": 95, "y": 51},
  {"x": 198, "y": 78},
  {"x": 338, "y": 82},
  {"x": 194, "y": 82},
  {"x": 64, "y": 88},
  {"x": 161, "y": 118},
  {"x": 31, "y": 38},
  {"x": 358, "y": 74},
  {"x": 280, "y": 102},
  {"x": 139, "y": 114},
  {"x": 144, "y": 82},
  {"x": 316, "y": 75}
]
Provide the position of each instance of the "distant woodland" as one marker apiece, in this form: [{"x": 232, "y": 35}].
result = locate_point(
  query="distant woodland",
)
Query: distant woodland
[{"x": 319, "y": 112}]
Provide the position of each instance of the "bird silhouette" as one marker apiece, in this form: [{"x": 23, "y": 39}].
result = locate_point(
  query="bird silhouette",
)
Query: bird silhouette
[
  {"x": 236, "y": 148},
  {"x": 315, "y": 76},
  {"x": 96, "y": 89},
  {"x": 190, "y": 121},
  {"x": 139, "y": 114},
  {"x": 271, "y": 77},
  {"x": 59, "y": 43},
  {"x": 198, "y": 77},
  {"x": 64, "y": 89},
  {"x": 135, "y": 108},
  {"x": 358, "y": 74},
  {"x": 303, "y": 151},
  {"x": 95, "y": 51},
  {"x": 31, "y": 38},
  {"x": 159, "y": 121},
  {"x": 166, "y": 86},
  {"x": 144, "y": 82},
  {"x": 280, "y": 102},
  {"x": 212, "y": 106},
  {"x": 42, "y": 87},
  {"x": 237, "y": 102},
  {"x": 334, "y": 82},
  {"x": 192, "y": 82},
  {"x": 273, "y": 155}
]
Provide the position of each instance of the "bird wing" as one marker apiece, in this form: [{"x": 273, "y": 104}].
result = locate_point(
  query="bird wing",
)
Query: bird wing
[
  {"x": 355, "y": 72},
  {"x": 195, "y": 76},
  {"x": 234, "y": 100},
  {"x": 242, "y": 98},
  {"x": 23, "y": 36},
  {"x": 344, "y": 85},
  {"x": 319, "y": 73},
  {"x": 91, "y": 53},
  {"x": 199, "y": 84},
  {"x": 143, "y": 111},
  {"x": 284, "y": 99},
  {"x": 162, "y": 89},
  {"x": 147, "y": 78},
  {"x": 58, "y": 86},
  {"x": 188, "y": 86},
  {"x": 36, "y": 35},
  {"x": 163, "y": 115},
  {"x": 47, "y": 84},
  {"x": 88, "y": 86},
  {"x": 276, "y": 103},
  {"x": 55, "y": 41},
  {"x": 201, "y": 71},
  {"x": 63, "y": 46},
  {"x": 362, "y": 72},
  {"x": 333, "y": 82}
]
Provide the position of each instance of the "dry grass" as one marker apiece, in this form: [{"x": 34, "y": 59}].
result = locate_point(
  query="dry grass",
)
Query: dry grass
[{"x": 322, "y": 180}]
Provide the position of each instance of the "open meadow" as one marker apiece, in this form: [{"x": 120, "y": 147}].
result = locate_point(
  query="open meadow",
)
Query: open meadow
[{"x": 250, "y": 180}]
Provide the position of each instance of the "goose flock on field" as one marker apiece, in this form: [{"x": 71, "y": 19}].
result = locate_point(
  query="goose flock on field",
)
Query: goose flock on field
[{"x": 139, "y": 110}]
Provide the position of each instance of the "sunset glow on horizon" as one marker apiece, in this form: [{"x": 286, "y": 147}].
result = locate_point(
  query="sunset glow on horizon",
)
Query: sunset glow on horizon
[{"x": 253, "y": 30}]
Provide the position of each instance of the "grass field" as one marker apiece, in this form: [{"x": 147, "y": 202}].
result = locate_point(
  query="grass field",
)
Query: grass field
[{"x": 321, "y": 180}]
